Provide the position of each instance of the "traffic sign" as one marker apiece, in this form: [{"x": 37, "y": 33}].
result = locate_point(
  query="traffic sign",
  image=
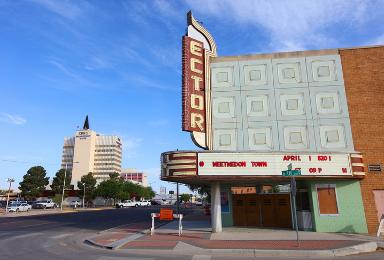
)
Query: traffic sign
[{"x": 291, "y": 173}]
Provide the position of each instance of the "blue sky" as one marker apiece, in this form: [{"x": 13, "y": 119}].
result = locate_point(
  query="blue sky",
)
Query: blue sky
[{"x": 120, "y": 63}]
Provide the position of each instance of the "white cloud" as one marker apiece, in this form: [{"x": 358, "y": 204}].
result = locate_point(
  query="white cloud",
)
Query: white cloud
[
  {"x": 97, "y": 63},
  {"x": 130, "y": 145},
  {"x": 63, "y": 8},
  {"x": 377, "y": 41},
  {"x": 71, "y": 74},
  {"x": 12, "y": 119},
  {"x": 291, "y": 25}
]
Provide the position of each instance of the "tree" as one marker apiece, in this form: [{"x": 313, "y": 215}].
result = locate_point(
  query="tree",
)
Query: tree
[
  {"x": 109, "y": 189},
  {"x": 34, "y": 182},
  {"x": 5, "y": 192},
  {"x": 90, "y": 185},
  {"x": 203, "y": 190},
  {"x": 114, "y": 176},
  {"x": 58, "y": 181},
  {"x": 185, "y": 197},
  {"x": 148, "y": 193}
]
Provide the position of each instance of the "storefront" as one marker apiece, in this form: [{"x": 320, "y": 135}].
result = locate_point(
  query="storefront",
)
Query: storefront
[
  {"x": 260, "y": 118},
  {"x": 253, "y": 192}
]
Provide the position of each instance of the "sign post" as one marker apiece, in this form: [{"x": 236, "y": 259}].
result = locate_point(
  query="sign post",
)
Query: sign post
[{"x": 292, "y": 173}]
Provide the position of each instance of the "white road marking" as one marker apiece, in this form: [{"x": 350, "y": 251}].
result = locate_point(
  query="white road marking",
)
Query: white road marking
[
  {"x": 201, "y": 257},
  {"x": 61, "y": 236},
  {"x": 125, "y": 258},
  {"x": 24, "y": 236}
]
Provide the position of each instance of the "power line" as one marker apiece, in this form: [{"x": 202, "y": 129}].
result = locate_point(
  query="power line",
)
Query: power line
[{"x": 17, "y": 161}]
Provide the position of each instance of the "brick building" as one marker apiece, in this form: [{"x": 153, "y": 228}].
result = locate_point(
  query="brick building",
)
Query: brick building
[{"x": 363, "y": 70}]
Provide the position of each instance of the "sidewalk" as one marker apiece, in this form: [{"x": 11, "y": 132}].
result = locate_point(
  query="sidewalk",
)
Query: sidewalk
[{"x": 198, "y": 239}]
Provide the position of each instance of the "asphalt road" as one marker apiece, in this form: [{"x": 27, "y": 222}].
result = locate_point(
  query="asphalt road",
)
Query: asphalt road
[{"x": 61, "y": 236}]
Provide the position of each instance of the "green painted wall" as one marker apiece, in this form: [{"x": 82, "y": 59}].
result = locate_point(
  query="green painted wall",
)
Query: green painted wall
[
  {"x": 351, "y": 217},
  {"x": 226, "y": 218}
]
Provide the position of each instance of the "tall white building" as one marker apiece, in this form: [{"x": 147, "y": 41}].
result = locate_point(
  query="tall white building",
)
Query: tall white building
[{"x": 88, "y": 152}]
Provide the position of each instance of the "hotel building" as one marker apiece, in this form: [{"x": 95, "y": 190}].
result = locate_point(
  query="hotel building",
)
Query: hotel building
[
  {"x": 89, "y": 151},
  {"x": 134, "y": 176},
  {"x": 260, "y": 118}
]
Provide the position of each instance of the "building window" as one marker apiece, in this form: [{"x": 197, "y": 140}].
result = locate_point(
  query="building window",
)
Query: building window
[{"x": 327, "y": 199}]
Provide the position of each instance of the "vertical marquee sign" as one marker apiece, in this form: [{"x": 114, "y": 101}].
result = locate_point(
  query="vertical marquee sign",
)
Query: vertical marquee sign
[{"x": 193, "y": 85}]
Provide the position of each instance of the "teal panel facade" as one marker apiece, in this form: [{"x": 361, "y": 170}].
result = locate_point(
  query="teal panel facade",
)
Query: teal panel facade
[
  {"x": 226, "y": 216},
  {"x": 351, "y": 216}
]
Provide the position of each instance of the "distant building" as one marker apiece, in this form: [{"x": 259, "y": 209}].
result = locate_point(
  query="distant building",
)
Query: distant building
[
  {"x": 135, "y": 176},
  {"x": 88, "y": 152}
]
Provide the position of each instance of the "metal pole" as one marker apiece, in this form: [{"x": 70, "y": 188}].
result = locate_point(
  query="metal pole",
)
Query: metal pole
[
  {"x": 294, "y": 209},
  {"x": 83, "y": 194},
  {"x": 177, "y": 198},
  {"x": 9, "y": 191},
  {"x": 62, "y": 196}
]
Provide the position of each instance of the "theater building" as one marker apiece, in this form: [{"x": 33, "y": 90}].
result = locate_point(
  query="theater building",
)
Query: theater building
[{"x": 318, "y": 113}]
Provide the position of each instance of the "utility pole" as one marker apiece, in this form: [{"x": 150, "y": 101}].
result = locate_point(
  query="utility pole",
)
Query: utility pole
[
  {"x": 62, "y": 196},
  {"x": 83, "y": 195},
  {"x": 177, "y": 198},
  {"x": 10, "y": 180},
  {"x": 65, "y": 176}
]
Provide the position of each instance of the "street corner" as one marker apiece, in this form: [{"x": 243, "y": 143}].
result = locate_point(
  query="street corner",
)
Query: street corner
[{"x": 114, "y": 237}]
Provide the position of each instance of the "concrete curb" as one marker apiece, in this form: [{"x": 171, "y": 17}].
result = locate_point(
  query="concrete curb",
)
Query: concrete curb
[
  {"x": 365, "y": 247},
  {"x": 357, "y": 249},
  {"x": 119, "y": 243}
]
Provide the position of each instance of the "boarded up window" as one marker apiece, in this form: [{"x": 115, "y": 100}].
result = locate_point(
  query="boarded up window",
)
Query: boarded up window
[{"x": 327, "y": 200}]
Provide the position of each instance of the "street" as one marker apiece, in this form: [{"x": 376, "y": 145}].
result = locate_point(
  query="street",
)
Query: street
[{"x": 61, "y": 236}]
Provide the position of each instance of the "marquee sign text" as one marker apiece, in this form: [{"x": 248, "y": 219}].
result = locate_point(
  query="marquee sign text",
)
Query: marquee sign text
[{"x": 273, "y": 164}]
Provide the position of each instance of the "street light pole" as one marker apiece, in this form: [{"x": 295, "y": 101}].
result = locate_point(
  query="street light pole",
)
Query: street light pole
[
  {"x": 65, "y": 176},
  {"x": 83, "y": 194},
  {"x": 177, "y": 198},
  {"x": 9, "y": 191},
  {"x": 62, "y": 196}
]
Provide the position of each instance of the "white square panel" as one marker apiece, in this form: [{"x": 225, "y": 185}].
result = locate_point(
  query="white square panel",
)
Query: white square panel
[
  {"x": 222, "y": 77},
  {"x": 328, "y": 102},
  {"x": 225, "y": 76},
  {"x": 332, "y": 136},
  {"x": 290, "y": 72},
  {"x": 225, "y": 139},
  {"x": 296, "y": 135},
  {"x": 257, "y": 106},
  {"x": 223, "y": 107},
  {"x": 260, "y": 138},
  {"x": 324, "y": 70},
  {"x": 256, "y": 74},
  {"x": 293, "y": 104}
]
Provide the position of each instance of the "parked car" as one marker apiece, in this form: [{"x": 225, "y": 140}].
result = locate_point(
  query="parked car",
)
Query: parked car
[
  {"x": 144, "y": 203},
  {"x": 17, "y": 201},
  {"x": 45, "y": 204},
  {"x": 75, "y": 203},
  {"x": 18, "y": 207},
  {"x": 154, "y": 202},
  {"x": 125, "y": 204},
  {"x": 3, "y": 204},
  {"x": 199, "y": 203},
  {"x": 33, "y": 204}
]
